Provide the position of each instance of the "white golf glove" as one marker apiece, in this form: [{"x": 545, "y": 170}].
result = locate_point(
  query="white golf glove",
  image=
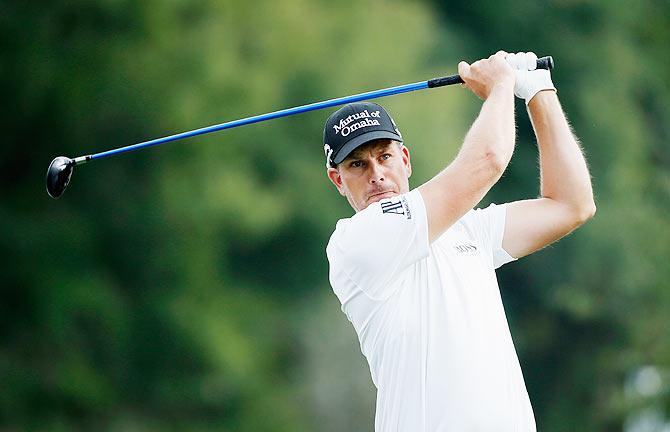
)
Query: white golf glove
[{"x": 529, "y": 79}]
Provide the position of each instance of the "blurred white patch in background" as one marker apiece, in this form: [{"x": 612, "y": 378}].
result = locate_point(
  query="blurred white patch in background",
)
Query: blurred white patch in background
[{"x": 643, "y": 389}]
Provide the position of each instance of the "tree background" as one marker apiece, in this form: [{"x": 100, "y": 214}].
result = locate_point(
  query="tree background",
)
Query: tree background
[{"x": 186, "y": 289}]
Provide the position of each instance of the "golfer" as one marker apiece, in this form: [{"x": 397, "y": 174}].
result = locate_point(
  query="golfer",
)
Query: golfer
[{"x": 414, "y": 269}]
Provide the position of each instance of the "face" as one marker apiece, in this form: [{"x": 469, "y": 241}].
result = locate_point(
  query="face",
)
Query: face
[{"x": 374, "y": 171}]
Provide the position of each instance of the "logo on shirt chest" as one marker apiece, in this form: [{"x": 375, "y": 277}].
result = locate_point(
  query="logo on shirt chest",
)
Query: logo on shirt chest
[{"x": 466, "y": 249}]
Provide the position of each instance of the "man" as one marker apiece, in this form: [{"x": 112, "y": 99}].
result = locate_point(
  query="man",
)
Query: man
[{"x": 415, "y": 270}]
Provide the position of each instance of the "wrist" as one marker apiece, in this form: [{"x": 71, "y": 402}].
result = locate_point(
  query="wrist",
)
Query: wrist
[
  {"x": 503, "y": 86},
  {"x": 534, "y": 82},
  {"x": 542, "y": 98}
]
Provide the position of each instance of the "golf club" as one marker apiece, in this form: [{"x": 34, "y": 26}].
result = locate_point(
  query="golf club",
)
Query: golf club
[{"x": 60, "y": 169}]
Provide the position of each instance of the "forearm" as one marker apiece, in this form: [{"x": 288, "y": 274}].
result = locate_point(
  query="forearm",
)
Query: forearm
[
  {"x": 492, "y": 135},
  {"x": 564, "y": 174},
  {"x": 486, "y": 151}
]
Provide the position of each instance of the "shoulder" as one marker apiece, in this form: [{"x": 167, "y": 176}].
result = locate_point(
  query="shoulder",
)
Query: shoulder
[
  {"x": 397, "y": 210},
  {"x": 378, "y": 225},
  {"x": 478, "y": 216},
  {"x": 479, "y": 223},
  {"x": 340, "y": 228}
]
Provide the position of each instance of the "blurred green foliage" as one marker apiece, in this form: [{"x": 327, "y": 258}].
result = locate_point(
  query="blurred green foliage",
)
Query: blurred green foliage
[{"x": 186, "y": 289}]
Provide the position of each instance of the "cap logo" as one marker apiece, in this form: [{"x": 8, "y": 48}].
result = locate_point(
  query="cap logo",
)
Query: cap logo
[
  {"x": 329, "y": 154},
  {"x": 348, "y": 125},
  {"x": 396, "y": 128}
]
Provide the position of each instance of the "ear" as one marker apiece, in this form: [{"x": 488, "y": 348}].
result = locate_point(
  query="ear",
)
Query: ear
[
  {"x": 406, "y": 160},
  {"x": 336, "y": 179}
]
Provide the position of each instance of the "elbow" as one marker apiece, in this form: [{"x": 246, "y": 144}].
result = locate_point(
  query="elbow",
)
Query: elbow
[
  {"x": 585, "y": 212},
  {"x": 496, "y": 161}
]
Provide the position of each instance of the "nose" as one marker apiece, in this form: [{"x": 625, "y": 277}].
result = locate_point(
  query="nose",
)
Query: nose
[{"x": 376, "y": 173}]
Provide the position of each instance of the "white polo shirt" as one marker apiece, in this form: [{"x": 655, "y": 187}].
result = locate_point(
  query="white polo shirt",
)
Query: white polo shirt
[{"x": 430, "y": 319}]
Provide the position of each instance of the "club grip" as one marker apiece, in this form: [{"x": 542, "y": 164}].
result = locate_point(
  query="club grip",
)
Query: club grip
[
  {"x": 542, "y": 63},
  {"x": 545, "y": 63}
]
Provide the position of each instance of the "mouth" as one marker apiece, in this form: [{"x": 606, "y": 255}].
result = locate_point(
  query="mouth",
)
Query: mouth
[{"x": 380, "y": 196}]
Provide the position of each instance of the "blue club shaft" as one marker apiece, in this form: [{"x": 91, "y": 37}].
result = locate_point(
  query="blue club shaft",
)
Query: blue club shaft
[
  {"x": 542, "y": 63},
  {"x": 263, "y": 117}
]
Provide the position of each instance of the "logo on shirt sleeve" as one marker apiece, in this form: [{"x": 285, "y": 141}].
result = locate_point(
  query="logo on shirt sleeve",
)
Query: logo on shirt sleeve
[
  {"x": 394, "y": 207},
  {"x": 397, "y": 206}
]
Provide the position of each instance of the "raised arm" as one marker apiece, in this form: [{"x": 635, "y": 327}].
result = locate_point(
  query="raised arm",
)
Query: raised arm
[
  {"x": 486, "y": 150},
  {"x": 566, "y": 195}
]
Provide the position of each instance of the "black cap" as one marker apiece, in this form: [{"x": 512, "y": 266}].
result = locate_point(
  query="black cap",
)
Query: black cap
[{"x": 354, "y": 125}]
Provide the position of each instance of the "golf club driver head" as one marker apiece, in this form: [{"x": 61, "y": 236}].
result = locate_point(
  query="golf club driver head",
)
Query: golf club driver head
[{"x": 58, "y": 175}]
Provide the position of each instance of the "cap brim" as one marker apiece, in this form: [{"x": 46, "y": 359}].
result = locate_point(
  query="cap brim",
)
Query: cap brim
[{"x": 362, "y": 139}]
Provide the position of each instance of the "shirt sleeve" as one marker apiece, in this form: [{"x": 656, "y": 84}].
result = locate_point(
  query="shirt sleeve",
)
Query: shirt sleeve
[
  {"x": 374, "y": 246},
  {"x": 489, "y": 226}
]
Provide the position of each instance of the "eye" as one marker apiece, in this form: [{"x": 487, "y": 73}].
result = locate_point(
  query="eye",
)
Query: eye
[
  {"x": 356, "y": 164},
  {"x": 386, "y": 156}
]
